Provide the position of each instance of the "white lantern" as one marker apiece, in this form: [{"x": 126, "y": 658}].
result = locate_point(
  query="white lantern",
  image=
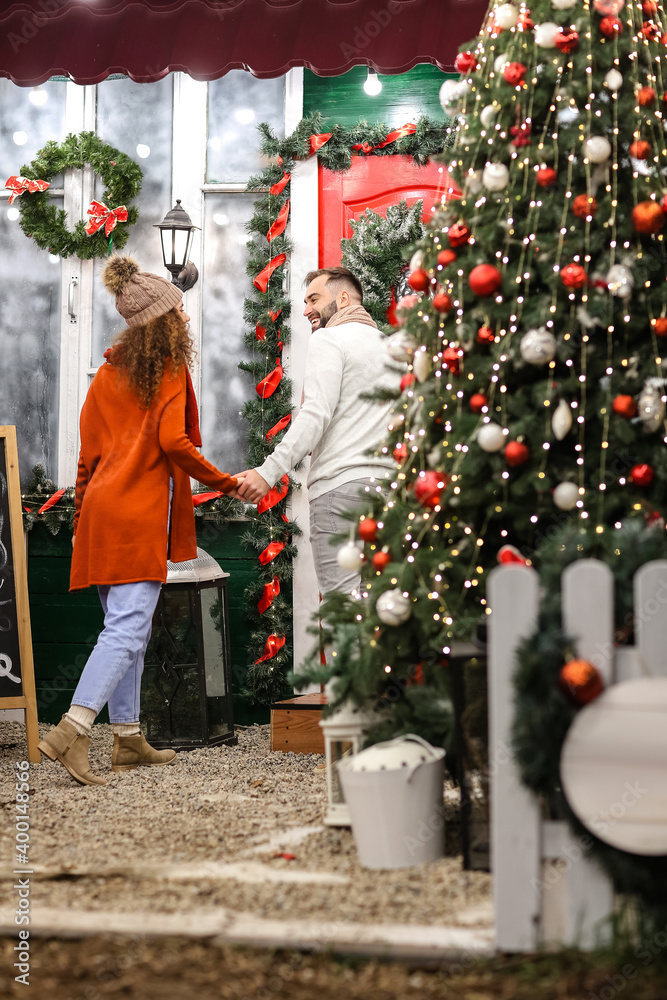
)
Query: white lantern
[
  {"x": 506, "y": 16},
  {"x": 343, "y": 735},
  {"x": 490, "y": 437},
  {"x": 561, "y": 422},
  {"x": 613, "y": 80},
  {"x": 545, "y": 34},
  {"x": 487, "y": 115},
  {"x": 620, "y": 281},
  {"x": 350, "y": 555},
  {"x": 495, "y": 176},
  {"x": 597, "y": 149},
  {"x": 538, "y": 347},
  {"x": 401, "y": 346},
  {"x": 393, "y": 608},
  {"x": 421, "y": 364},
  {"x": 565, "y": 496}
]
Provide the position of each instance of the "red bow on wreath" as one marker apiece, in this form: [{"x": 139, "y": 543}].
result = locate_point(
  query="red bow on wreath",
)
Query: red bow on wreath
[
  {"x": 17, "y": 185},
  {"x": 274, "y": 496},
  {"x": 272, "y": 550},
  {"x": 272, "y": 645},
  {"x": 269, "y": 593},
  {"x": 104, "y": 216},
  {"x": 399, "y": 133}
]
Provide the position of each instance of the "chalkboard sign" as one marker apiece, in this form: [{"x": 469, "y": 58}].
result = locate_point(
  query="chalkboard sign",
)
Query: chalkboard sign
[{"x": 17, "y": 678}]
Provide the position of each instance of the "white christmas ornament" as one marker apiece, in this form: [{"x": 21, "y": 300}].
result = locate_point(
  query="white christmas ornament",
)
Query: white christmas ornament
[
  {"x": 350, "y": 555},
  {"x": 506, "y": 15},
  {"x": 393, "y": 608},
  {"x": 473, "y": 181},
  {"x": 495, "y": 176},
  {"x": 500, "y": 62},
  {"x": 538, "y": 347},
  {"x": 565, "y": 496},
  {"x": 545, "y": 34},
  {"x": 561, "y": 422},
  {"x": 487, "y": 115},
  {"x": 490, "y": 437},
  {"x": 421, "y": 365},
  {"x": 564, "y": 4},
  {"x": 446, "y": 94},
  {"x": 651, "y": 409},
  {"x": 620, "y": 281},
  {"x": 417, "y": 261},
  {"x": 395, "y": 421},
  {"x": 597, "y": 149},
  {"x": 401, "y": 346},
  {"x": 613, "y": 80}
]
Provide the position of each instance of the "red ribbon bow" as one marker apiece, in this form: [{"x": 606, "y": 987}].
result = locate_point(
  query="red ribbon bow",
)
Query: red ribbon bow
[
  {"x": 278, "y": 226},
  {"x": 274, "y": 315},
  {"x": 104, "y": 216},
  {"x": 272, "y": 645},
  {"x": 277, "y": 428},
  {"x": 269, "y": 594},
  {"x": 261, "y": 282},
  {"x": 17, "y": 185},
  {"x": 272, "y": 550},
  {"x": 51, "y": 501},
  {"x": 274, "y": 496},
  {"x": 268, "y": 385},
  {"x": 398, "y": 133},
  {"x": 281, "y": 184},
  {"x": 260, "y": 331},
  {"x": 203, "y": 497},
  {"x": 317, "y": 141}
]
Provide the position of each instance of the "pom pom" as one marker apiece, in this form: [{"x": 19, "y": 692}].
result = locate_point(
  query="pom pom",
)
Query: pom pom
[{"x": 118, "y": 271}]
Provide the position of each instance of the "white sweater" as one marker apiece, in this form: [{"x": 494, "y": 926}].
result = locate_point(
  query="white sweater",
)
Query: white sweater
[{"x": 334, "y": 423}]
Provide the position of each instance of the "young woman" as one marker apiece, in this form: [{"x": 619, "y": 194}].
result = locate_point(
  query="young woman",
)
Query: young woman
[{"x": 139, "y": 429}]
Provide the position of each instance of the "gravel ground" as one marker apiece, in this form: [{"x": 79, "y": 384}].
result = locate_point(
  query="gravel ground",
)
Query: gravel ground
[{"x": 115, "y": 847}]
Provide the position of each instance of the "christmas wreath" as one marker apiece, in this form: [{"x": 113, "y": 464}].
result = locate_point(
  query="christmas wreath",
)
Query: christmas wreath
[{"x": 47, "y": 224}]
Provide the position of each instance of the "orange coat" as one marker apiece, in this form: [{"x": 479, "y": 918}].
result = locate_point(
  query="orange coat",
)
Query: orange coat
[{"x": 127, "y": 456}]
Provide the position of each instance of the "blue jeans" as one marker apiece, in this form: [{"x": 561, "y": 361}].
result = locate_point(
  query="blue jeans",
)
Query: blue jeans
[
  {"x": 114, "y": 668},
  {"x": 325, "y": 522}
]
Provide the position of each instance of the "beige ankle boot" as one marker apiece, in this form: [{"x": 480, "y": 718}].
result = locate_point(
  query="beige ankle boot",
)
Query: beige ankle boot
[
  {"x": 133, "y": 751},
  {"x": 70, "y": 747}
]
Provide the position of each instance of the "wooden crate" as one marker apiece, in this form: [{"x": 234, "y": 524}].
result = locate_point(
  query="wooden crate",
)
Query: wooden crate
[{"x": 295, "y": 724}]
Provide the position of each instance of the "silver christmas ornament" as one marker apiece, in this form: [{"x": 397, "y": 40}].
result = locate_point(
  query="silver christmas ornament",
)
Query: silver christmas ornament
[
  {"x": 495, "y": 176},
  {"x": 401, "y": 346},
  {"x": 620, "y": 281},
  {"x": 538, "y": 346},
  {"x": 561, "y": 422},
  {"x": 651, "y": 409},
  {"x": 487, "y": 115},
  {"x": 421, "y": 364},
  {"x": 393, "y": 608}
]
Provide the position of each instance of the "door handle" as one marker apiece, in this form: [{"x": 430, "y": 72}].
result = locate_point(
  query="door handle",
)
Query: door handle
[{"x": 74, "y": 281}]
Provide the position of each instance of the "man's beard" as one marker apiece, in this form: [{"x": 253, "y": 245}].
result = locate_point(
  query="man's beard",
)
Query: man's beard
[{"x": 327, "y": 312}]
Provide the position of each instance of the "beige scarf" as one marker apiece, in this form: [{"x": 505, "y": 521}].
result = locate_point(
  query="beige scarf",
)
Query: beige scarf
[{"x": 351, "y": 314}]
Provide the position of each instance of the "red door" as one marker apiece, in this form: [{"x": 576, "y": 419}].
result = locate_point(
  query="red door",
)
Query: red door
[{"x": 371, "y": 182}]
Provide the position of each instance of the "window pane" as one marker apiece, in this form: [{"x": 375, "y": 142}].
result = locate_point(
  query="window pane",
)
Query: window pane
[
  {"x": 224, "y": 387},
  {"x": 237, "y": 102},
  {"x": 29, "y": 344},
  {"x": 137, "y": 119},
  {"x": 28, "y": 119}
]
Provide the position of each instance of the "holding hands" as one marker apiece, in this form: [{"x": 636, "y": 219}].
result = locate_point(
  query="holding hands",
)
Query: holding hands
[{"x": 251, "y": 486}]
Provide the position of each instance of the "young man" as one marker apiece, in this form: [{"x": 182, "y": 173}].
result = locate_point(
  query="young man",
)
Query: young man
[{"x": 346, "y": 357}]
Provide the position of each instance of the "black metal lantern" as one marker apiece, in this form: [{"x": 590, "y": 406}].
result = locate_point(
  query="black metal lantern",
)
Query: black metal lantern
[
  {"x": 186, "y": 693},
  {"x": 176, "y": 233}
]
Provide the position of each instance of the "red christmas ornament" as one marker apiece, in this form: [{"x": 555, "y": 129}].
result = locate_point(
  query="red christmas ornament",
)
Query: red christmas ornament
[
  {"x": 514, "y": 73},
  {"x": 407, "y": 380},
  {"x": 465, "y": 62},
  {"x": 446, "y": 257},
  {"x": 648, "y": 217},
  {"x": 418, "y": 280},
  {"x": 546, "y": 176},
  {"x": 458, "y": 234},
  {"x": 516, "y": 453},
  {"x": 509, "y": 555},
  {"x": 567, "y": 41},
  {"x": 573, "y": 276},
  {"x": 646, "y": 97},
  {"x": 580, "y": 681},
  {"x": 642, "y": 474},
  {"x": 451, "y": 359},
  {"x": 368, "y": 529},
  {"x": 429, "y": 487},
  {"x": 583, "y": 206},
  {"x": 485, "y": 335},
  {"x": 650, "y": 31},
  {"x": 485, "y": 279},
  {"x": 625, "y": 406},
  {"x": 442, "y": 302},
  {"x": 525, "y": 23},
  {"x": 521, "y": 134},
  {"x": 381, "y": 560},
  {"x": 659, "y": 325},
  {"x": 610, "y": 26},
  {"x": 641, "y": 150},
  {"x": 477, "y": 401},
  {"x": 400, "y": 453},
  {"x": 649, "y": 8}
]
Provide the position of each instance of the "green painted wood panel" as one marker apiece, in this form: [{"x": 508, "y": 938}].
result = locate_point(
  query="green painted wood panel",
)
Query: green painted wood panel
[{"x": 403, "y": 98}]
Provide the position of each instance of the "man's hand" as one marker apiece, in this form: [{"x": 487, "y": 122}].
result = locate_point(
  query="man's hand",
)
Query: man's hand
[{"x": 252, "y": 487}]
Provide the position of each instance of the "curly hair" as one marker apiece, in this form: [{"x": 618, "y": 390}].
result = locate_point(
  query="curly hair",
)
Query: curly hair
[{"x": 141, "y": 352}]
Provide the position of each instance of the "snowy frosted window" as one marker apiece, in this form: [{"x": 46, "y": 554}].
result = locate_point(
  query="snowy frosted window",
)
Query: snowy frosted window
[
  {"x": 137, "y": 119},
  {"x": 224, "y": 388},
  {"x": 237, "y": 102},
  {"x": 29, "y": 117}
]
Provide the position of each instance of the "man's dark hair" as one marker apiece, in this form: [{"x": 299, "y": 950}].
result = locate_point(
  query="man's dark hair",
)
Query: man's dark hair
[{"x": 339, "y": 278}]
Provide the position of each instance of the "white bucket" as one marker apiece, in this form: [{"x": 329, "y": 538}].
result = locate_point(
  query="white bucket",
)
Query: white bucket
[{"x": 394, "y": 794}]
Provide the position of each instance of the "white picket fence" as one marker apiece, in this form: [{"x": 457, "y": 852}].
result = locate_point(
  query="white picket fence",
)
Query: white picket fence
[{"x": 534, "y": 903}]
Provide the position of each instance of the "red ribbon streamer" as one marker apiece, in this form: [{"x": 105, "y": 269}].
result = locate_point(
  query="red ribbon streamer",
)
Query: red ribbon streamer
[
  {"x": 269, "y": 594},
  {"x": 203, "y": 497},
  {"x": 281, "y": 184},
  {"x": 51, "y": 501},
  {"x": 274, "y": 496},
  {"x": 277, "y": 428},
  {"x": 268, "y": 385},
  {"x": 274, "y": 315},
  {"x": 399, "y": 133},
  {"x": 261, "y": 282},
  {"x": 317, "y": 141},
  {"x": 272, "y": 645},
  {"x": 104, "y": 216},
  {"x": 17, "y": 185},
  {"x": 260, "y": 332},
  {"x": 272, "y": 550},
  {"x": 278, "y": 226}
]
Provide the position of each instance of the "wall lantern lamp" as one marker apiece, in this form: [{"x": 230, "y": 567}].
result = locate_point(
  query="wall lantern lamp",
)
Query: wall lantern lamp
[
  {"x": 176, "y": 233},
  {"x": 343, "y": 734}
]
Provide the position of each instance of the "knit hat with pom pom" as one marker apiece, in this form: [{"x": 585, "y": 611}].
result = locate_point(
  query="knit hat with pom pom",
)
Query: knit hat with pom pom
[{"x": 140, "y": 296}]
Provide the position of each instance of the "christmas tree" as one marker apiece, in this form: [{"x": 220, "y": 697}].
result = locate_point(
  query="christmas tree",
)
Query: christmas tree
[{"x": 536, "y": 398}]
